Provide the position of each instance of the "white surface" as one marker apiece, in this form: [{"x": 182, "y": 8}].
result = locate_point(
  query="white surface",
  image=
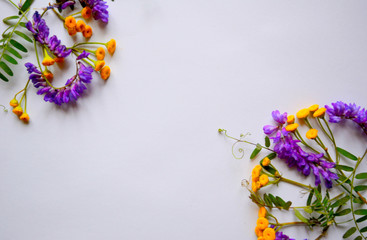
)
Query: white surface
[{"x": 139, "y": 157}]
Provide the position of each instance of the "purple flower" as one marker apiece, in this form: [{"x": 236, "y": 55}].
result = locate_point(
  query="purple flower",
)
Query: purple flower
[
  {"x": 84, "y": 54},
  {"x": 288, "y": 149},
  {"x": 39, "y": 28},
  {"x": 340, "y": 110},
  {"x": 99, "y": 9},
  {"x": 279, "y": 118},
  {"x": 60, "y": 51},
  {"x": 41, "y": 33},
  {"x": 72, "y": 90}
]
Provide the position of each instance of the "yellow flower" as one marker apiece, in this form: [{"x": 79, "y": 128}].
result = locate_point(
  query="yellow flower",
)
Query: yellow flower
[
  {"x": 255, "y": 179},
  {"x": 264, "y": 179},
  {"x": 320, "y": 112},
  {"x": 47, "y": 60},
  {"x": 70, "y": 22},
  {"x": 48, "y": 75},
  {"x": 311, "y": 134},
  {"x": 59, "y": 59},
  {"x": 261, "y": 238},
  {"x": 266, "y": 161},
  {"x": 80, "y": 26},
  {"x": 100, "y": 53},
  {"x": 258, "y": 231},
  {"x": 262, "y": 212},
  {"x": 303, "y": 113},
  {"x": 290, "y": 119},
  {"x": 262, "y": 223},
  {"x": 256, "y": 171},
  {"x": 18, "y": 110},
  {"x": 72, "y": 31},
  {"x": 111, "y": 46},
  {"x": 24, "y": 117},
  {"x": 254, "y": 188},
  {"x": 14, "y": 102},
  {"x": 313, "y": 107},
  {"x": 88, "y": 32},
  {"x": 105, "y": 72},
  {"x": 258, "y": 185},
  {"x": 99, "y": 65},
  {"x": 86, "y": 12},
  {"x": 291, "y": 127},
  {"x": 269, "y": 234}
]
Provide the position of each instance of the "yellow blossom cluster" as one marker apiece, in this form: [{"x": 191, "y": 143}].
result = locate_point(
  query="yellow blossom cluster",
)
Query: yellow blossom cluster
[
  {"x": 18, "y": 110},
  {"x": 262, "y": 229},
  {"x": 314, "y": 111},
  {"x": 259, "y": 179}
]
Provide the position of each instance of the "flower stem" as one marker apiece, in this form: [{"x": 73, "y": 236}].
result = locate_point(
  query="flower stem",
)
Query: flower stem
[{"x": 294, "y": 182}]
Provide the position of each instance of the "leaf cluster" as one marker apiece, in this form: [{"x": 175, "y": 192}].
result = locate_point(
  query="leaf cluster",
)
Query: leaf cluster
[
  {"x": 270, "y": 201},
  {"x": 11, "y": 48}
]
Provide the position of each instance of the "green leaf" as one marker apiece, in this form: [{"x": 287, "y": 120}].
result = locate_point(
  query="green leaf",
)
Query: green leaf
[
  {"x": 361, "y": 219},
  {"x": 268, "y": 200},
  {"x": 309, "y": 199},
  {"x": 256, "y": 151},
  {"x": 267, "y": 141},
  {"x": 23, "y": 35},
  {"x": 10, "y": 59},
  {"x": 360, "y": 188},
  {"x": 270, "y": 169},
  {"x": 272, "y": 155},
  {"x": 343, "y": 212},
  {"x": 300, "y": 216},
  {"x": 308, "y": 209},
  {"x": 361, "y": 175},
  {"x": 14, "y": 52},
  {"x": 344, "y": 168},
  {"x": 357, "y": 200},
  {"x": 273, "y": 199},
  {"x": 280, "y": 201},
  {"x": 347, "y": 154},
  {"x": 18, "y": 45},
  {"x": 360, "y": 212},
  {"x": 287, "y": 205},
  {"x": 363, "y": 229},
  {"x": 7, "y": 69},
  {"x": 26, "y": 5},
  {"x": 358, "y": 238},
  {"x": 23, "y": 24},
  {"x": 349, "y": 232},
  {"x": 3, "y": 77},
  {"x": 7, "y": 19},
  {"x": 340, "y": 202}
]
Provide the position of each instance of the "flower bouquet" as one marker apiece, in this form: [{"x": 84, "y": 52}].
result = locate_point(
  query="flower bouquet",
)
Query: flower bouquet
[
  {"x": 51, "y": 53},
  {"x": 314, "y": 153}
]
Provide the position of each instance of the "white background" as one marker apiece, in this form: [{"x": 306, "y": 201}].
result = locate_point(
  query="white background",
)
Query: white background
[{"x": 139, "y": 156}]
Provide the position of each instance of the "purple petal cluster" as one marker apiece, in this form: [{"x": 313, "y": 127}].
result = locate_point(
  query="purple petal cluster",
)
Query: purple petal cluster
[
  {"x": 84, "y": 54},
  {"x": 72, "y": 90},
  {"x": 41, "y": 33},
  {"x": 99, "y": 9},
  {"x": 278, "y": 118},
  {"x": 340, "y": 110},
  {"x": 57, "y": 49},
  {"x": 39, "y": 28},
  {"x": 288, "y": 149}
]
